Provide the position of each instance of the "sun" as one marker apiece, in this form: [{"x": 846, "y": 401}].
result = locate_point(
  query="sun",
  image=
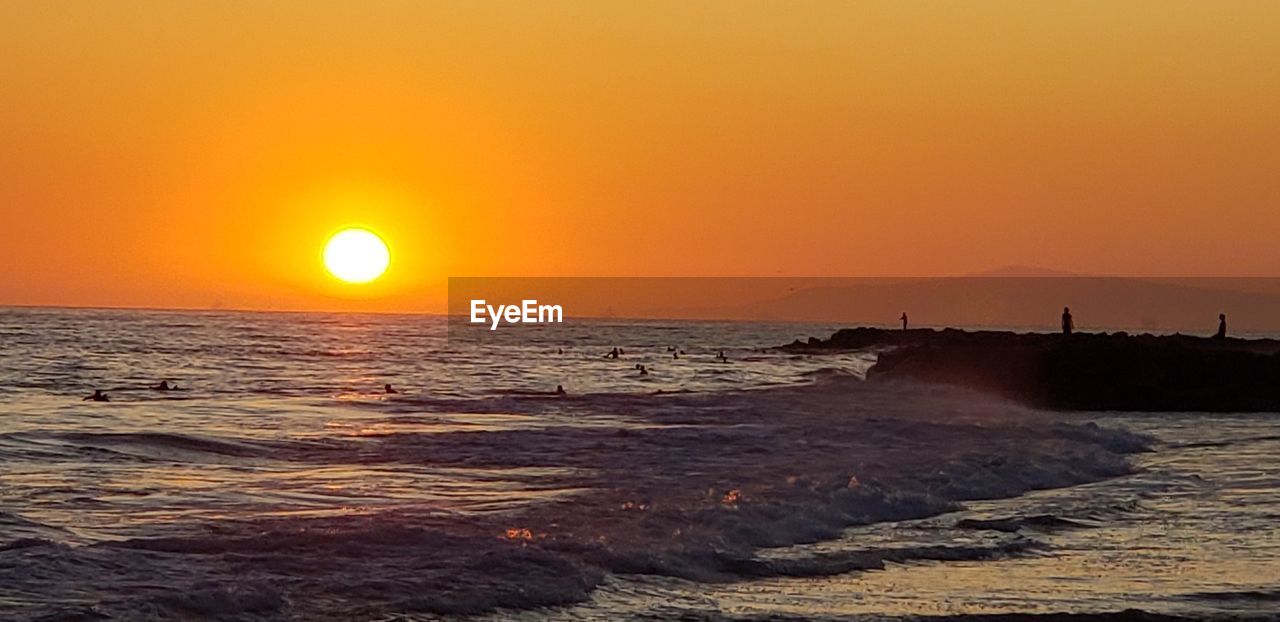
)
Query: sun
[{"x": 356, "y": 255}]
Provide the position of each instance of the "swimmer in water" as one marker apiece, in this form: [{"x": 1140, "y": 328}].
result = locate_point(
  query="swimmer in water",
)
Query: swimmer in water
[
  {"x": 386, "y": 388},
  {"x": 98, "y": 396},
  {"x": 560, "y": 390},
  {"x": 165, "y": 386},
  {"x": 643, "y": 371}
]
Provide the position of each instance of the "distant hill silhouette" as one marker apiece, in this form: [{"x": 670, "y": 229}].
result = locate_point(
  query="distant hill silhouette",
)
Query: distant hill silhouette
[
  {"x": 1024, "y": 271},
  {"x": 990, "y": 300},
  {"x": 1034, "y": 302}
]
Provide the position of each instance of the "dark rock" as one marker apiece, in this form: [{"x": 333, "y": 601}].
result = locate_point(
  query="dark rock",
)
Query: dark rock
[{"x": 1080, "y": 372}]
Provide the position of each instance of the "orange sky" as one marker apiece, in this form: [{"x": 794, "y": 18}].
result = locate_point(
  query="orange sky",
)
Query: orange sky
[{"x": 196, "y": 154}]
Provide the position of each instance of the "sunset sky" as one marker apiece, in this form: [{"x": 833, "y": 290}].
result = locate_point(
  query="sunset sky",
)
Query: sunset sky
[{"x": 197, "y": 154}]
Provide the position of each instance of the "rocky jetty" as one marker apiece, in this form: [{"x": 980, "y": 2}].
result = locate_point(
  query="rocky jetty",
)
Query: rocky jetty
[{"x": 1085, "y": 371}]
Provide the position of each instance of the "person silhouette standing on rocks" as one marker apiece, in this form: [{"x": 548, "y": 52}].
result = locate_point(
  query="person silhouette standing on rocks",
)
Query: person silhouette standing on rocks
[
  {"x": 904, "y": 320},
  {"x": 1067, "y": 323},
  {"x": 1222, "y": 327}
]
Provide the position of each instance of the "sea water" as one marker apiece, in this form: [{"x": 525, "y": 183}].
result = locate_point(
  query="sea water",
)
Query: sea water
[{"x": 280, "y": 419}]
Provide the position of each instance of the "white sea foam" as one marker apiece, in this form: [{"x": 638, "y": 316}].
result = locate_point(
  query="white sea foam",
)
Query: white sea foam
[{"x": 689, "y": 486}]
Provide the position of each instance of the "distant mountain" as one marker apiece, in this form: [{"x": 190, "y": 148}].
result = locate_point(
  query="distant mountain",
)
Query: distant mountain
[
  {"x": 991, "y": 299},
  {"x": 1021, "y": 271},
  {"x": 1097, "y": 303}
]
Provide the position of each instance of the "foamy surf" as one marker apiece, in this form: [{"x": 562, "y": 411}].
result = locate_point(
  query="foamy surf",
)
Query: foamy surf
[{"x": 689, "y": 486}]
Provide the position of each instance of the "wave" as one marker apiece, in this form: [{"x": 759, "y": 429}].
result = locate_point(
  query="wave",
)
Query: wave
[
  {"x": 697, "y": 491},
  {"x": 720, "y": 566},
  {"x": 832, "y": 374},
  {"x": 1252, "y": 596},
  {"x": 25, "y": 543},
  {"x": 1039, "y": 522},
  {"x": 391, "y": 562},
  {"x": 366, "y": 563},
  {"x": 162, "y": 442},
  {"x": 17, "y": 532},
  {"x": 1264, "y": 438}
]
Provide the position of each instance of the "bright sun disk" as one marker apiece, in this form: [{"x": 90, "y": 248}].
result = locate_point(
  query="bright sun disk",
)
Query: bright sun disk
[{"x": 356, "y": 255}]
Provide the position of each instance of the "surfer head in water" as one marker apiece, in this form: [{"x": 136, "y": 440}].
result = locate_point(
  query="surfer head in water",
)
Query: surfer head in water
[
  {"x": 98, "y": 396},
  {"x": 386, "y": 388},
  {"x": 165, "y": 386}
]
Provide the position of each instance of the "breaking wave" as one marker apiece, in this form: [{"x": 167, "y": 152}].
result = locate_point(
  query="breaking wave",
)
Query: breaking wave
[{"x": 428, "y": 509}]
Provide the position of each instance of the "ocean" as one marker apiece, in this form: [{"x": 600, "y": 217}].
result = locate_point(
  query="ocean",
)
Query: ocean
[{"x": 281, "y": 482}]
